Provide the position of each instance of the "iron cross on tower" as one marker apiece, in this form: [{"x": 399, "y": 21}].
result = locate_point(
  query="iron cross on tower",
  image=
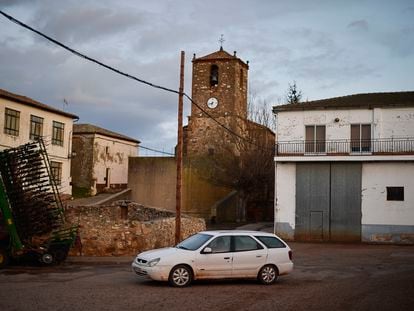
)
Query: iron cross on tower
[{"x": 221, "y": 40}]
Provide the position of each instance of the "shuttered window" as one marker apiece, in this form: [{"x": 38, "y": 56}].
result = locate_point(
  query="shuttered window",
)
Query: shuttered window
[
  {"x": 11, "y": 122},
  {"x": 36, "y": 127},
  {"x": 360, "y": 137},
  {"x": 315, "y": 138},
  {"x": 58, "y": 133}
]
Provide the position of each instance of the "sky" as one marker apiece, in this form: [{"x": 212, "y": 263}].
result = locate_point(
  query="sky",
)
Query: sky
[{"x": 329, "y": 48}]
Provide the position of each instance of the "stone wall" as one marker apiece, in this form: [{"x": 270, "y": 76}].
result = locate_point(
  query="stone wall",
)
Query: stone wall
[{"x": 104, "y": 233}]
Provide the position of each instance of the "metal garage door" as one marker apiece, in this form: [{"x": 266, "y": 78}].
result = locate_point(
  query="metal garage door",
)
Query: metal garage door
[{"x": 328, "y": 201}]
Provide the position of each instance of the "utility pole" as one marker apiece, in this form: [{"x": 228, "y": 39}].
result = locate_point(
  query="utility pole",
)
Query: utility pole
[{"x": 179, "y": 155}]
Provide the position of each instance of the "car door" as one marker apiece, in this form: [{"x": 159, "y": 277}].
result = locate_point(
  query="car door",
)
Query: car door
[
  {"x": 248, "y": 257},
  {"x": 217, "y": 263}
]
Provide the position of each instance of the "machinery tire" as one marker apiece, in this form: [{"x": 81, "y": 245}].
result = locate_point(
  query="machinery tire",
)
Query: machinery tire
[
  {"x": 47, "y": 259},
  {"x": 4, "y": 258},
  {"x": 60, "y": 254}
]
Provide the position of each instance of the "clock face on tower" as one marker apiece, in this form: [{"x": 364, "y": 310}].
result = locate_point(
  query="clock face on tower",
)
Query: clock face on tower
[{"x": 212, "y": 103}]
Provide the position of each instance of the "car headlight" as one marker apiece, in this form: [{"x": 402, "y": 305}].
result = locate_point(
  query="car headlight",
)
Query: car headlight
[{"x": 153, "y": 262}]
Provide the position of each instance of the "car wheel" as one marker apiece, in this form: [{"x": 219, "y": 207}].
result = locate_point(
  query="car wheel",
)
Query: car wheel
[
  {"x": 268, "y": 275},
  {"x": 180, "y": 276}
]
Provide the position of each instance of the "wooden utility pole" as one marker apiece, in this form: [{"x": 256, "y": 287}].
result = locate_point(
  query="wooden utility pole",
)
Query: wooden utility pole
[{"x": 179, "y": 155}]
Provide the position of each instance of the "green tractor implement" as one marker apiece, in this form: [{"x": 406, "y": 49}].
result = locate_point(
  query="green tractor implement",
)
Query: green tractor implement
[{"x": 32, "y": 222}]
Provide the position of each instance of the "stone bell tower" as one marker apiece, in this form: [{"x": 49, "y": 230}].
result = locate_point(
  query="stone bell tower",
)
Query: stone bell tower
[{"x": 219, "y": 88}]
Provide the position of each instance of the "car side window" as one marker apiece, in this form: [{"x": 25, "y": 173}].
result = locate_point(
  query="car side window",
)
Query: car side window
[
  {"x": 245, "y": 243},
  {"x": 271, "y": 242},
  {"x": 220, "y": 244}
]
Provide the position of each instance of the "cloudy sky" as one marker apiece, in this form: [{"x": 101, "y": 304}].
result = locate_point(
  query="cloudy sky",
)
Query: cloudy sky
[{"x": 330, "y": 48}]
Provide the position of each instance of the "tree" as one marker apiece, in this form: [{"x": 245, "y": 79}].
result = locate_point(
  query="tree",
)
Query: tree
[
  {"x": 293, "y": 95},
  {"x": 244, "y": 162}
]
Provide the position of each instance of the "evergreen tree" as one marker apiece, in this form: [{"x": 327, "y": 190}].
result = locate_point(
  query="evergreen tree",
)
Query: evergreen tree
[{"x": 293, "y": 95}]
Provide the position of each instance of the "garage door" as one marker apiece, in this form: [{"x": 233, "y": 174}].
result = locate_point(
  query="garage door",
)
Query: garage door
[{"x": 328, "y": 202}]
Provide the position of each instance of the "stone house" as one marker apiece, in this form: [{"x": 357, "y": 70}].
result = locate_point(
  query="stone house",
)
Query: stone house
[
  {"x": 344, "y": 169},
  {"x": 23, "y": 119},
  {"x": 101, "y": 159}
]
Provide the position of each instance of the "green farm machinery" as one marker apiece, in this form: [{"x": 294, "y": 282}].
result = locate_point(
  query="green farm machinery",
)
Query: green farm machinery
[{"x": 32, "y": 222}]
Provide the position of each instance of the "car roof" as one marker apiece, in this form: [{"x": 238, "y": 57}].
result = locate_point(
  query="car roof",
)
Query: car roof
[{"x": 236, "y": 232}]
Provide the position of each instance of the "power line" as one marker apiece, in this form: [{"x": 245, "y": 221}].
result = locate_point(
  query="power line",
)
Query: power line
[
  {"x": 155, "y": 150},
  {"x": 85, "y": 56},
  {"x": 128, "y": 76}
]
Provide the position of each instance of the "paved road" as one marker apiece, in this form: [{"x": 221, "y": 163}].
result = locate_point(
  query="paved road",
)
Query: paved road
[{"x": 326, "y": 277}]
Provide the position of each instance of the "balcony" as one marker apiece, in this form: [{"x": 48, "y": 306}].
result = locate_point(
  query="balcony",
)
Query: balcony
[{"x": 346, "y": 147}]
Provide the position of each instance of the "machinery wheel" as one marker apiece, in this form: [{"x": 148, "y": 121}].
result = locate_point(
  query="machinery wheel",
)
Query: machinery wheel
[
  {"x": 4, "y": 258},
  {"x": 47, "y": 259},
  {"x": 60, "y": 254},
  {"x": 180, "y": 276},
  {"x": 267, "y": 275}
]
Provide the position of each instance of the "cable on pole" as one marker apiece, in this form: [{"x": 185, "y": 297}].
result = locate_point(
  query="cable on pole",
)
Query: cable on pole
[{"x": 75, "y": 52}]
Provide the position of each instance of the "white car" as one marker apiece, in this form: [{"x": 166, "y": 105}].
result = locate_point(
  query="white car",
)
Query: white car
[{"x": 218, "y": 255}]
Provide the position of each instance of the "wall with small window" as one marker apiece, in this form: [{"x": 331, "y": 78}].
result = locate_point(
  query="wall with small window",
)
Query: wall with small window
[{"x": 388, "y": 193}]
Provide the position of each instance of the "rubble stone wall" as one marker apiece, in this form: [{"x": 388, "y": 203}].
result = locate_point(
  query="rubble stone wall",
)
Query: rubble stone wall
[{"x": 104, "y": 233}]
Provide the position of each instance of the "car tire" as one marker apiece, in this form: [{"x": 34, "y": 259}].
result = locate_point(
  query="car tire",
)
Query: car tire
[
  {"x": 180, "y": 276},
  {"x": 268, "y": 275}
]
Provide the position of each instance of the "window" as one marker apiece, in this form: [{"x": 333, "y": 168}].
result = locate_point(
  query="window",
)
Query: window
[
  {"x": 56, "y": 168},
  {"x": 395, "y": 193},
  {"x": 195, "y": 241},
  {"x": 11, "y": 122},
  {"x": 57, "y": 135},
  {"x": 214, "y": 75},
  {"x": 36, "y": 127},
  {"x": 271, "y": 242},
  {"x": 315, "y": 138},
  {"x": 220, "y": 244},
  {"x": 360, "y": 137},
  {"x": 245, "y": 243}
]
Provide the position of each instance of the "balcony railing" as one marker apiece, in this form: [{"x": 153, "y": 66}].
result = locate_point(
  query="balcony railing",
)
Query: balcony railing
[{"x": 391, "y": 146}]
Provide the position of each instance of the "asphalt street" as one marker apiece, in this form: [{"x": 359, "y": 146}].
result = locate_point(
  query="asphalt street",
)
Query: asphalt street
[{"x": 325, "y": 277}]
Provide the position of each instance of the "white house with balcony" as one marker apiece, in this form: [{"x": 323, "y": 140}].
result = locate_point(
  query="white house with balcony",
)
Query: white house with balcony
[
  {"x": 345, "y": 169},
  {"x": 23, "y": 119}
]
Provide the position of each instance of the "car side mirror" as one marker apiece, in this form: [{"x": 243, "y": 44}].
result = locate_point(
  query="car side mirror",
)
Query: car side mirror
[{"x": 207, "y": 250}]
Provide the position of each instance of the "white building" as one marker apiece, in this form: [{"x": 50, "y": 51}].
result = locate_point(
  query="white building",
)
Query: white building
[
  {"x": 24, "y": 119},
  {"x": 101, "y": 158},
  {"x": 345, "y": 169}
]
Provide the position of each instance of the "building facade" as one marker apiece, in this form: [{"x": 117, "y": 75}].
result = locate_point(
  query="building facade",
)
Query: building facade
[
  {"x": 100, "y": 159},
  {"x": 24, "y": 119},
  {"x": 344, "y": 169}
]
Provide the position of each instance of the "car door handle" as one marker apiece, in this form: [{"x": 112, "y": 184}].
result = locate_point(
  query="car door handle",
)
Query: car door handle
[
  {"x": 258, "y": 256},
  {"x": 226, "y": 257}
]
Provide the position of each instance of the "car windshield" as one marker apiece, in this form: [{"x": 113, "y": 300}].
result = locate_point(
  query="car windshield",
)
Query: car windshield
[{"x": 194, "y": 242}]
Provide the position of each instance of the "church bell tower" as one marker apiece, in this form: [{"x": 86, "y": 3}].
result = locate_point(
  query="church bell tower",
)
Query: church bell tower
[{"x": 219, "y": 88}]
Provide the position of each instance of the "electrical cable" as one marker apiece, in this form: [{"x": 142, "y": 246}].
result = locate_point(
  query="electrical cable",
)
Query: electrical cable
[
  {"x": 155, "y": 150},
  {"x": 130, "y": 77}
]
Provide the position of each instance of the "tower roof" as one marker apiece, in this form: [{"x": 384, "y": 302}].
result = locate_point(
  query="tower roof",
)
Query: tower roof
[{"x": 220, "y": 55}]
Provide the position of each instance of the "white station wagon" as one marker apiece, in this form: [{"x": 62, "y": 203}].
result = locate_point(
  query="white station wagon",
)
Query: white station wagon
[{"x": 218, "y": 255}]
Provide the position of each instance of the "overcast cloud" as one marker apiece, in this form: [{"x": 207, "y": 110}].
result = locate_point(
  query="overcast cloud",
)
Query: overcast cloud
[{"x": 330, "y": 48}]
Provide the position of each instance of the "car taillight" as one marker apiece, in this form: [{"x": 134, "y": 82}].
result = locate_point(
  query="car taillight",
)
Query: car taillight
[{"x": 290, "y": 255}]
